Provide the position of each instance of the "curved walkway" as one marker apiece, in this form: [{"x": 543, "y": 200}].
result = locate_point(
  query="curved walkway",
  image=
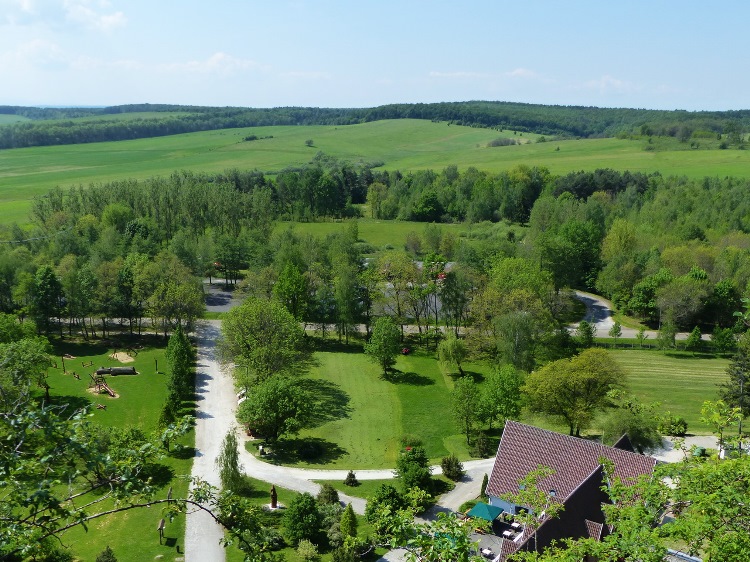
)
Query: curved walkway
[
  {"x": 216, "y": 406},
  {"x": 599, "y": 313}
]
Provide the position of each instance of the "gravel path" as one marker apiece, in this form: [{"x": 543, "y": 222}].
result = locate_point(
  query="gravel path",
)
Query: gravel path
[
  {"x": 214, "y": 417},
  {"x": 599, "y": 313}
]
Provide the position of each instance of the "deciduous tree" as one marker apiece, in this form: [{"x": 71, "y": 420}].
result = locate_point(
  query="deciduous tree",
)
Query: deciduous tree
[
  {"x": 384, "y": 344},
  {"x": 574, "y": 389},
  {"x": 275, "y": 407},
  {"x": 263, "y": 337}
]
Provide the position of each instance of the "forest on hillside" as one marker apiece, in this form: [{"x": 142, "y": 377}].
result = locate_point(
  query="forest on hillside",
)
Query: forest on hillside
[{"x": 55, "y": 126}]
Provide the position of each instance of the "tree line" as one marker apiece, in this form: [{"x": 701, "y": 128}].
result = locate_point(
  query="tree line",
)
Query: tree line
[{"x": 54, "y": 126}]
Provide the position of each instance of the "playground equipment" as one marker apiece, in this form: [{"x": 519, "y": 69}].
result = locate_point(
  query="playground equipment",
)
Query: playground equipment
[{"x": 100, "y": 385}]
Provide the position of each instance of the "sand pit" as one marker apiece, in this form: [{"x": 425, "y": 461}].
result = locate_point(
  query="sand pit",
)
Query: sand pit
[{"x": 122, "y": 357}]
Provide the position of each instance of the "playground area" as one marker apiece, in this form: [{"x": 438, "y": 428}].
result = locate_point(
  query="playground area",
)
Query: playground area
[{"x": 118, "y": 383}]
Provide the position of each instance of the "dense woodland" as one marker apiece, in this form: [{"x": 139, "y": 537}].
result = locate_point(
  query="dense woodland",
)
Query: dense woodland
[{"x": 54, "y": 126}]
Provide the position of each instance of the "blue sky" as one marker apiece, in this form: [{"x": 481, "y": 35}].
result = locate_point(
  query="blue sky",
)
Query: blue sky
[{"x": 654, "y": 54}]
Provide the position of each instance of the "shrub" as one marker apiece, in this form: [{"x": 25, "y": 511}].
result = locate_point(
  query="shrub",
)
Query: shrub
[
  {"x": 106, "y": 555},
  {"x": 343, "y": 554},
  {"x": 307, "y": 551},
  {"x": 410, "y": 440},
  {"x": 328, "y": 495},
  {"x": 351, "y": 479},
  {"x": 452, "y": 468},
  {"x": 385, "y": 496},
  {"x": 485, "y": 481},
  {"x": 674, "y": 426},
  {"x": 302, "y": 519}
]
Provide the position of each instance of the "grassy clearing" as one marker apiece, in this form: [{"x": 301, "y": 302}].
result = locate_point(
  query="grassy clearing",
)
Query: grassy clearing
[
  {"x": 364, "y": 416},
  {"x": 404, "y": 144},
  {"x": 680, "y": 381},
  {"x": 139, "y": 401}
]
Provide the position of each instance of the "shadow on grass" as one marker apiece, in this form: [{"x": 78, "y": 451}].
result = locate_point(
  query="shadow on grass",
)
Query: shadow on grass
[
  {"x": 335, "y": 346},
  {"x": 70, "y": 404},
  {"x": 159, "y": 474},
  {"x": 311, "y": 450},
  {"x": 689, "y": 356},
  {"x": 410, "y": 378},
  {"x": 331, "y": 403},
  {"x": 182, "y": 453},
  {"x": 478, "y": 377}
]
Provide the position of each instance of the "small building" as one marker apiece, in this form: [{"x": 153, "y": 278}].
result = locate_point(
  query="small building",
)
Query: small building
[{"x": 576, "y": 483}]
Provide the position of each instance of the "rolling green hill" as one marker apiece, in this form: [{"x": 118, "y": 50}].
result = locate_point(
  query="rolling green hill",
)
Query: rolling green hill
[{"x": 404, "y": 144}]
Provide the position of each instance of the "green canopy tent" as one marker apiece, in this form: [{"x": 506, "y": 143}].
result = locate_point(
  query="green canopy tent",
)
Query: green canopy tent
[{"x": 485, "y": 511}]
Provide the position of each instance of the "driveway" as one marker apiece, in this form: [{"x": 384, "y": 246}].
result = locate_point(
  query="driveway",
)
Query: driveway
[{"x": 599, "y": 313}]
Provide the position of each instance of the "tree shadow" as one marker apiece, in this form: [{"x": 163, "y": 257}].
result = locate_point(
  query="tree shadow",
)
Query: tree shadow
[
  {"x": 311, "y": 450},
  {"x": 182, "y": 453},
  {"x": 411, "y": 378},
  {"x": 70, "y": 404},
  {"x": 688, "y": 356},
  {"x": 159, "y": 474},
  {"x": 335, "y": 346},
  {"x": 330, "y": 402},
  {"x": 478, "y": 377}
]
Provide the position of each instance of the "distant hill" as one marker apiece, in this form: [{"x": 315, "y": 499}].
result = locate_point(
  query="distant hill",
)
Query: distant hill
[{"x": 56, "y": 126}]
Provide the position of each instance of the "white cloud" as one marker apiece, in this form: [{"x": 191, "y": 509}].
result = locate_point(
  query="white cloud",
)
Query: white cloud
[
  {"x": 458, "y": 74},
  {"x": 521, "y": 73},
  {"x": 218, "y": 63},
  {"x": 90, "y": 14},
  {"x": 36, "y": 53},
  {"x": 607, "y": 84},
  {"x": 306, "y": 74}
]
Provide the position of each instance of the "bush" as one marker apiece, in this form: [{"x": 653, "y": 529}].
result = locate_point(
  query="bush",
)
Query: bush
[
  {"x": 351, "y": 479},
  {"x": 307, "y": 551},
  {"x": 410, "y": 440},
  {"x": 106, "y": 555},
  {"x": 452, "y": 468},
  {"x": 328, "y": 495},
  {"x": 674, "y": 426},
  {"x": 385, "y": 496},
  {"x": 343, "y": 554},
  {"x": 302, "y": 519},
  {"x": 485, "y": 481}
]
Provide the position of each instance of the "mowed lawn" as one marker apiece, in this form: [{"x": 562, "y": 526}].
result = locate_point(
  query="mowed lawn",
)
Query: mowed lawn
[
  {"x": 130, "y": 534},
  {"x": 372, "y": 413},
  {"x": 681, "y": 382}
]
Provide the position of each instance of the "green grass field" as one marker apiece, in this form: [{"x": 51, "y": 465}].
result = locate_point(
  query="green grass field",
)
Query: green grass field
[
  {"x": 679, "y": 380},
  {"x": 140, "y": 399},
  {"x": 365, "y": 416},
  {"x": 399, "y": 144}
]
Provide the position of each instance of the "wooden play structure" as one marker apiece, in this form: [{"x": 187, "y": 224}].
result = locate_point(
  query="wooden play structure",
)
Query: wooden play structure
[{"x": 100, "y": 384}]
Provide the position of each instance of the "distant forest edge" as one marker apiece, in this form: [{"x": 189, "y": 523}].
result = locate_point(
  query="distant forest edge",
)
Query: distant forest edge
[{"x": 57, "y": 126}]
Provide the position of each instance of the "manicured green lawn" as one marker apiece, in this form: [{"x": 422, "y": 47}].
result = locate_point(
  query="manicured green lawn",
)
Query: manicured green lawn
[
  {"x": 679, "y": 380},
  {"x": 364, "y": 415},
  {"x": 132, "y": 535}
]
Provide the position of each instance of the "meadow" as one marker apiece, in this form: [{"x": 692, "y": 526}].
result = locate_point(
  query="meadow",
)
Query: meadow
[
  {"x": 404, "y": 144},
  {"x": 680, "y": 381}
]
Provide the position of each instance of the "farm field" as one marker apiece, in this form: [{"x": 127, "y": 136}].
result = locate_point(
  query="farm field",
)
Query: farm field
[
  {"x": 679, "y": 380},
  {"x": 398, "y": 144},
  {"x": 140, "y": 399}
]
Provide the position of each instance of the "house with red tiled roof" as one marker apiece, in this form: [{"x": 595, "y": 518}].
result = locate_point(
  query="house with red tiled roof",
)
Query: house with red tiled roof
[{"x": 576, "y": 482}]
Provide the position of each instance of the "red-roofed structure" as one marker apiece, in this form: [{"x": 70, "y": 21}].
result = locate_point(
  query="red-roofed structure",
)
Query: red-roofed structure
[{"x": 576, "y": 482}]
